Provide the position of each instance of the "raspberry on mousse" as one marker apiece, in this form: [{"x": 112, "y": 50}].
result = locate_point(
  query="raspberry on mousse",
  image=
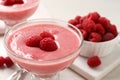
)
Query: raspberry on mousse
[{"x": 45, "y": 41}]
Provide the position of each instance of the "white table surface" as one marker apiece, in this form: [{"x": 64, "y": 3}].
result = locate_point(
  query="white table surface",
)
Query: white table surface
[{"x": 66, "y": 9}]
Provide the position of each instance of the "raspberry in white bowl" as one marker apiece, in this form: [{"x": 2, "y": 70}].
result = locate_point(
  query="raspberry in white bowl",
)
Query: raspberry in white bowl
[{"x": 100, "y": 34}]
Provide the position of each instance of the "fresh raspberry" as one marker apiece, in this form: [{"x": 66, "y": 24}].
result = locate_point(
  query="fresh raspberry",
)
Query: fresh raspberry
[
  {"x": 93, "y": 16},
  {"x": 95, "y": 37},
  {"x": 88, "y": 25},
  {"x": 78, "y": 18},
  {"x": 46, "y": 34},
  {"x": 79, "y": 26},
  {"x": 73, "y": 22},
  {"x": 2, "y": 61},
  {"x": 33, "y": 41},
  {"x": 8, "y": 62},
  {"x": 84, "y": 33},
  {"x": 82, "y": 19},
  {"x": 113, "y": 30},
  {"x": 105, "y": 22},
  {"x": 8, "y": 2},
  {"x": 19, "y": 1},
  {"x": 94, "y": 61},
  {"x": 48, "y": 44},
  {"x": 108, "y": 36},
  {"x": 100, "y": 29}
]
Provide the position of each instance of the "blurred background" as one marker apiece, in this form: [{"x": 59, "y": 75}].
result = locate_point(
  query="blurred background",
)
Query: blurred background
[{"x": 67, "y": 9}]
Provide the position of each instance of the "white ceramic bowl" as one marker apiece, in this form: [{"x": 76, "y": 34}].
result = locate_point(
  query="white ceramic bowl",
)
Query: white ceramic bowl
[{"x": 100, "y": 49}]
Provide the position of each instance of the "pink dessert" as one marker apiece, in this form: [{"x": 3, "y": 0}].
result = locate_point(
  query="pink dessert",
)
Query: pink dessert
[
  {"x": 11, "y": 14},
  {"x": 38, "y": 61}
]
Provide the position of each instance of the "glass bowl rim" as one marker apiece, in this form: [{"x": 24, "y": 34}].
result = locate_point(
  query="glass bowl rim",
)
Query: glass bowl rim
[{"x": 43, "y": 19}]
